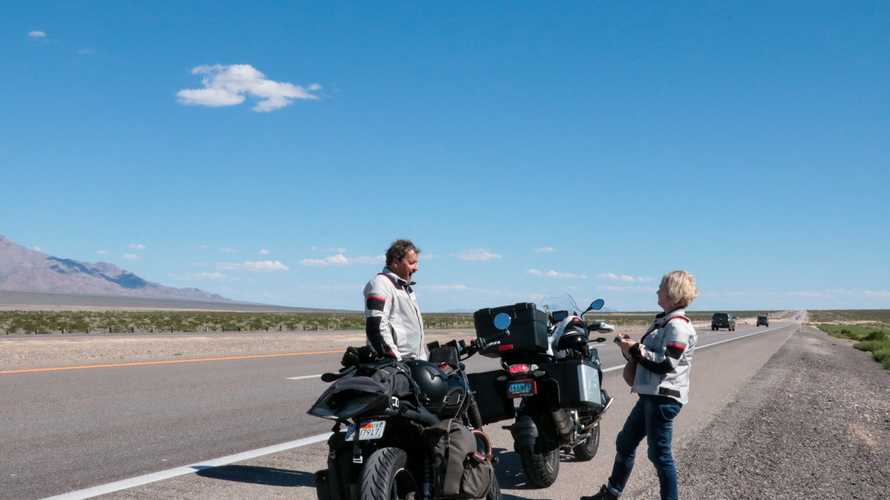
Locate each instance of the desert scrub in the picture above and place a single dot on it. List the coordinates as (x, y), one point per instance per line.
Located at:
(873, 337)
(842, 315)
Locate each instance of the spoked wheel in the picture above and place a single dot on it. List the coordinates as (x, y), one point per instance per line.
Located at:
(587, 450)
(386, 476)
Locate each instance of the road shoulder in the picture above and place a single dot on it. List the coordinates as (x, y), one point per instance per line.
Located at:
(815, 423)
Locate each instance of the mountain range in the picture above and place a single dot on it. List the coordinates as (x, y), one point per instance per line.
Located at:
(26, 270)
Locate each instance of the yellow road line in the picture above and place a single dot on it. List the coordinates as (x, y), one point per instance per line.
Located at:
(167, 362)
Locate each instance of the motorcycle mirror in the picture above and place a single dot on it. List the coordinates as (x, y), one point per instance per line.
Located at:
(596, 305)
(329, 377)
(502, 321)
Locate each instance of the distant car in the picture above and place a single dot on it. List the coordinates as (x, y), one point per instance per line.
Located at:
(762, 319)
(723, 320)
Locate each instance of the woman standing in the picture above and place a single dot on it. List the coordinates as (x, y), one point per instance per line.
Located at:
(663, 359)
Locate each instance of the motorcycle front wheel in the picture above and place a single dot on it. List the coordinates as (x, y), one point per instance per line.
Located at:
(385, 476)
(587, 450)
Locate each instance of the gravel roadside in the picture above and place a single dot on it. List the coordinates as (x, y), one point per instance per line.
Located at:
(814, 423)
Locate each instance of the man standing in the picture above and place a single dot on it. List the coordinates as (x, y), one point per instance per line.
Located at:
(393, 323)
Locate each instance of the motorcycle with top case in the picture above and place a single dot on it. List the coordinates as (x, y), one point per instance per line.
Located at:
(551, 367)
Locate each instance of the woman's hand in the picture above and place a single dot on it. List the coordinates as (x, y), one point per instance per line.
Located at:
(625, 343)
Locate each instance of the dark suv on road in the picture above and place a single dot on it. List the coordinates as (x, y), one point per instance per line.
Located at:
(762, 319)
(723, 320)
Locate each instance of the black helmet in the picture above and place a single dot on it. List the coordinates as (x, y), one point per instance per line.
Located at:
(432, 381)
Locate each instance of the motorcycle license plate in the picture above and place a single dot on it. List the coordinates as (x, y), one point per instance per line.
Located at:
(368, 430)
(521, 388)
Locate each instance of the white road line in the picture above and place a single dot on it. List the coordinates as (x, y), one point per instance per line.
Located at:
(247, 455)
(187, 469)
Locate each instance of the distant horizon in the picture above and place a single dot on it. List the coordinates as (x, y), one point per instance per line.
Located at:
(5, 304)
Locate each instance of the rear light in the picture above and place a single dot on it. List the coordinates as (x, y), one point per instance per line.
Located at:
(518, 369)
(505, 347)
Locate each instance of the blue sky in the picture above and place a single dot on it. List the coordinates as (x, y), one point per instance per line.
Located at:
(527, 148)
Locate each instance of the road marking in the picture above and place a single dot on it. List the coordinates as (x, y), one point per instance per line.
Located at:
(167, 362)
(187, 469)
(247, 455)
(304, 377)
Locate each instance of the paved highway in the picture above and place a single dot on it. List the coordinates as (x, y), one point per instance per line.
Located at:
(70, 431)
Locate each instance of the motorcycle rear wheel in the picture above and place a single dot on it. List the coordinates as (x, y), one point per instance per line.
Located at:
(541, 467)
(587, 450)
(385, 476)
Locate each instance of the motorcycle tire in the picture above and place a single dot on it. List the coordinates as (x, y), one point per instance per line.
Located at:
(385, 476)
(541, 467)
(587, 450)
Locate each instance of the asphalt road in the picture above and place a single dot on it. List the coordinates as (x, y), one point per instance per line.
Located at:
(66, 431)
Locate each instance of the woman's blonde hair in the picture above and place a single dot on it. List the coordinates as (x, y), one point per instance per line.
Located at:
(680, 287)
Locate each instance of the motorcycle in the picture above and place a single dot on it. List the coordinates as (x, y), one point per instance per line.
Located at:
(404, 429)
(550, 366)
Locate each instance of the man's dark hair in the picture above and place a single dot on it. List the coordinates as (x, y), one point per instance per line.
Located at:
(398, 250)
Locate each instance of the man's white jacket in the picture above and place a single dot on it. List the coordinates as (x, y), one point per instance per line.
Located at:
(393, 323)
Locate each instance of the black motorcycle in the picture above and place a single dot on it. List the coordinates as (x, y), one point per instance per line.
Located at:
(404, 429)
(548, 363)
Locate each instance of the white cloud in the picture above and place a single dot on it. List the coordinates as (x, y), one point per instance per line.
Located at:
(228, 250)
(624, 278)
(545, 250)
(264, 265)
(253, 266)
(136, 246)
(230, 85)
(883, 294)
(477, 254)
(36, 34)
(132, 256)
(340, 260)
(333, 260)
(808, 294)
(102, 252)
(557, 274)
(263, 251)
(36, 248)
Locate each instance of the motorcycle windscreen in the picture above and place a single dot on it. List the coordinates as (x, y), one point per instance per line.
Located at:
(350, 397)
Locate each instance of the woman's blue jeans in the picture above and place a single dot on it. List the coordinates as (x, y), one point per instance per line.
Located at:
(652, 417)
